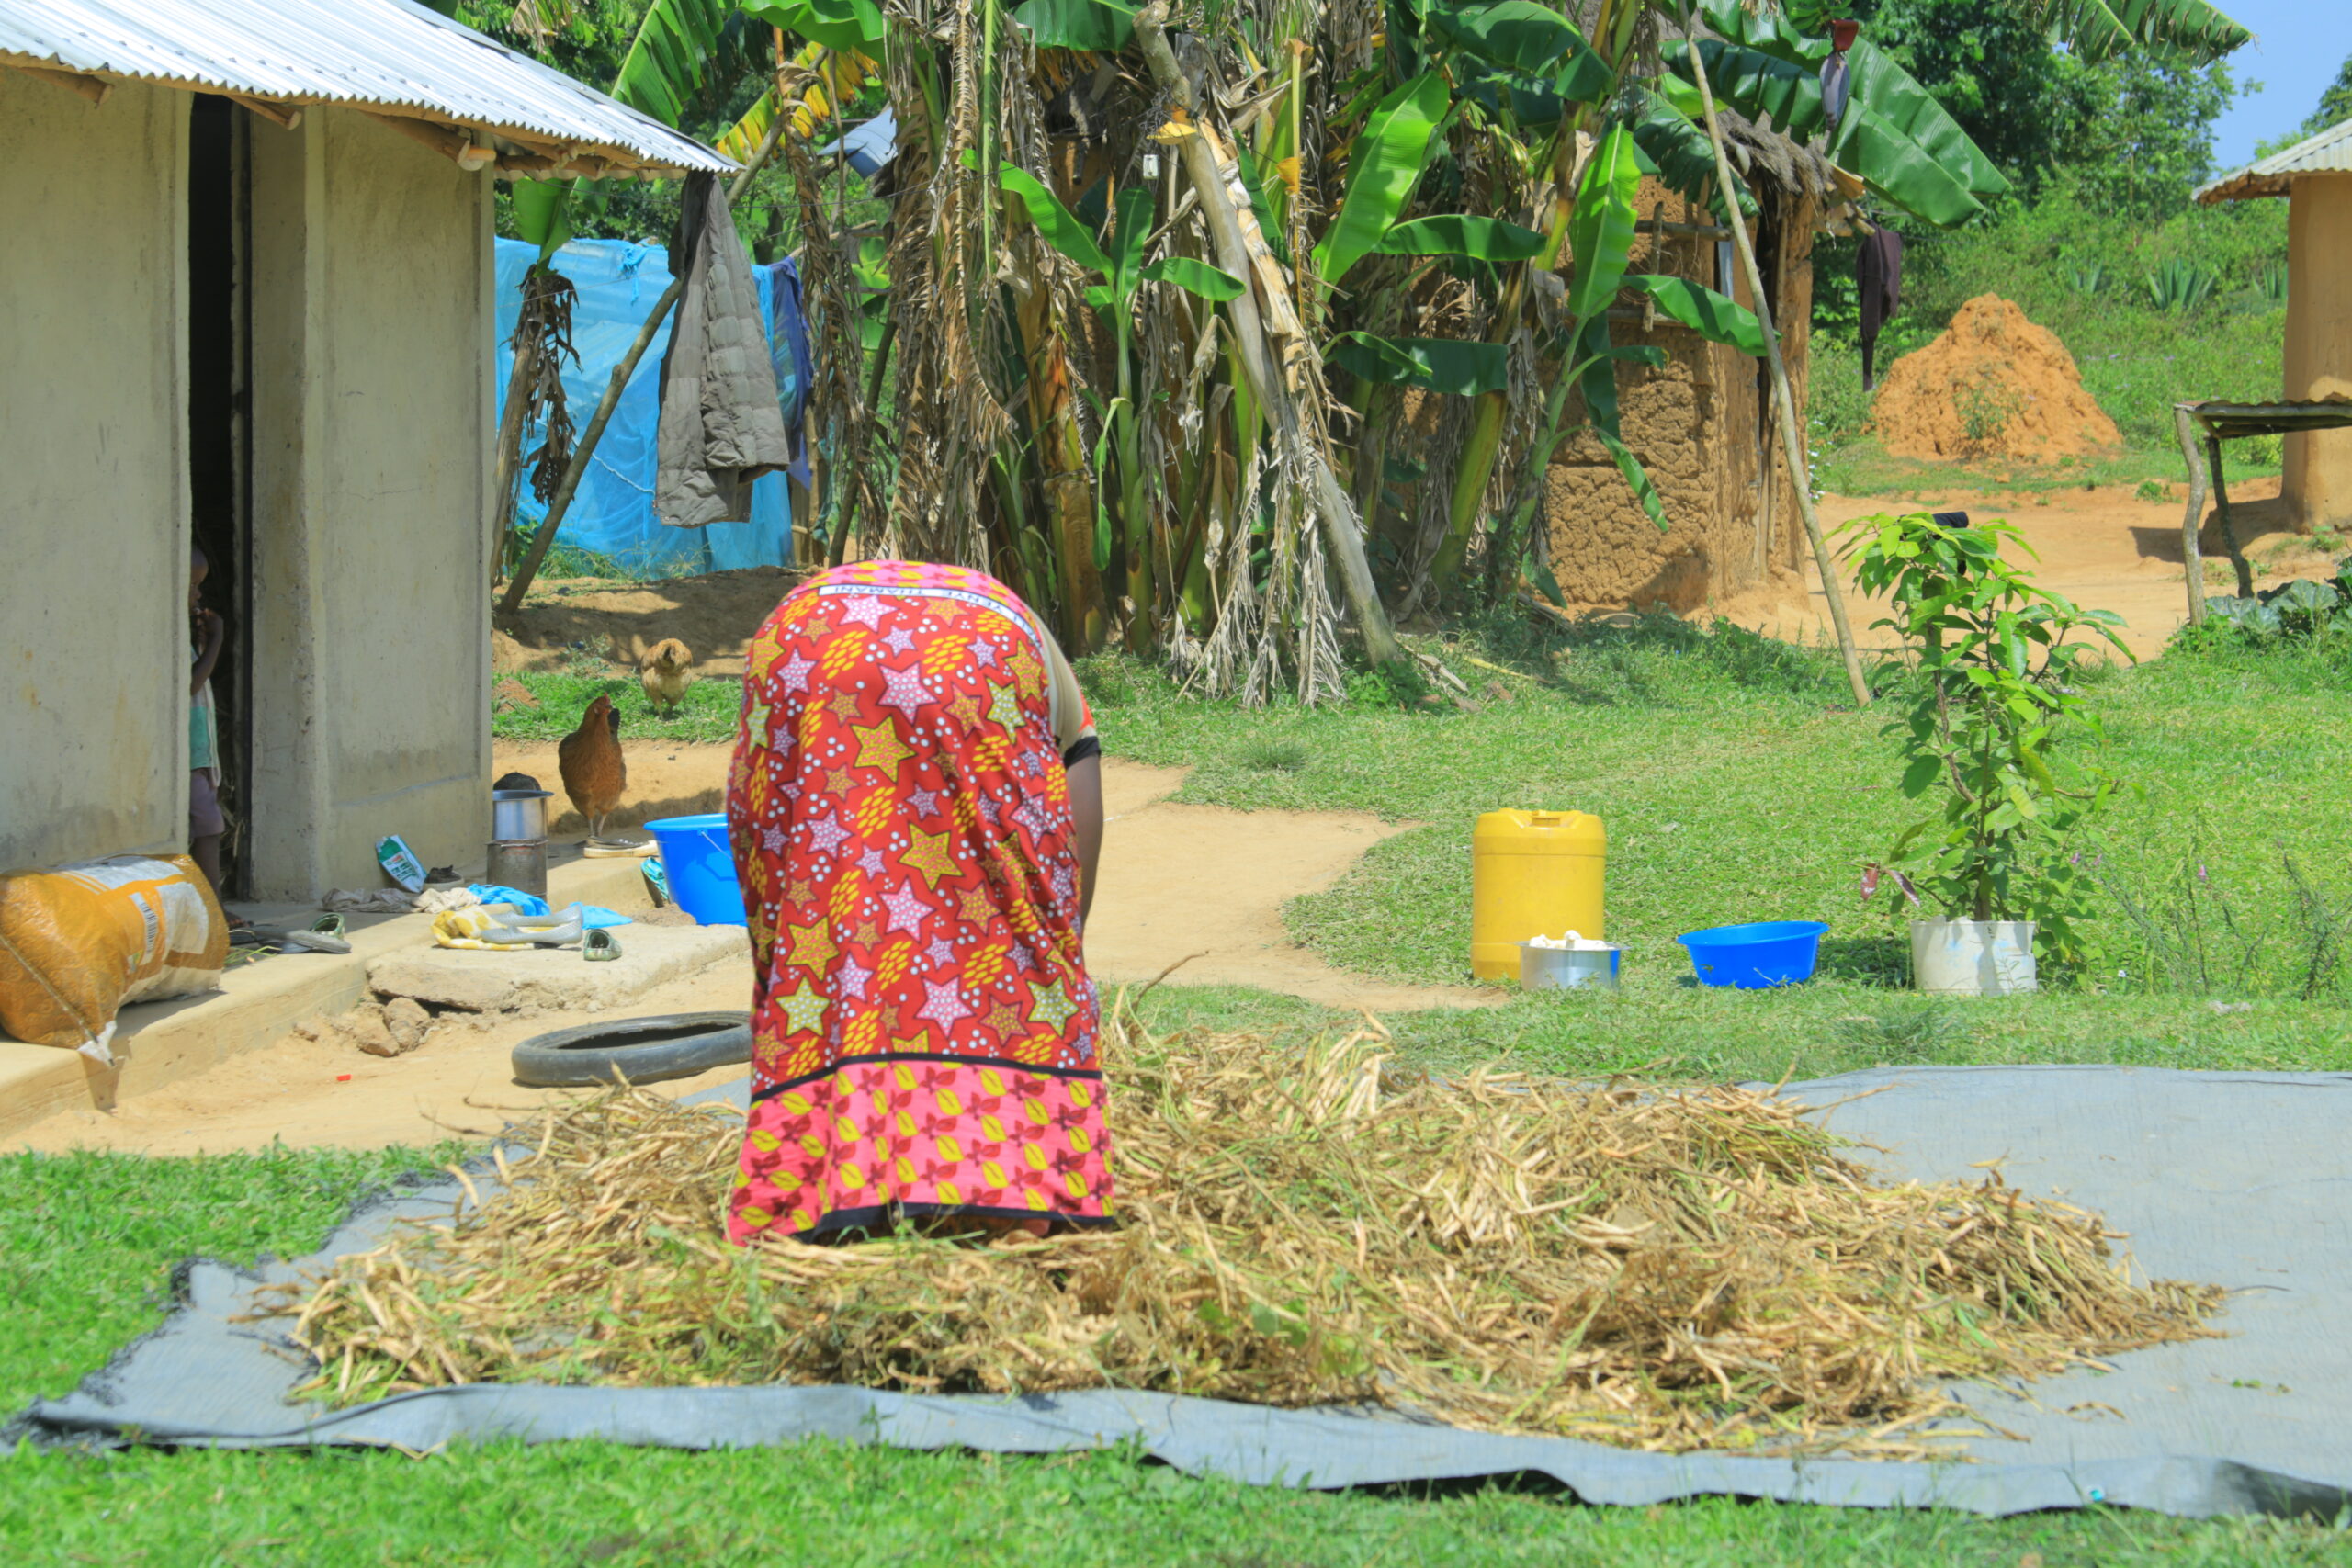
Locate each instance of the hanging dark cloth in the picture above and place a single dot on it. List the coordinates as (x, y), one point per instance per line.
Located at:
(1878, 278)
(721, 425)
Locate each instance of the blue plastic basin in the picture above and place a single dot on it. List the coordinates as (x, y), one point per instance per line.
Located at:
(700, 867)
(1756, 957)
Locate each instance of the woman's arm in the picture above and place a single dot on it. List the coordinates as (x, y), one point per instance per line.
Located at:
(1086, 812)
(215, 632)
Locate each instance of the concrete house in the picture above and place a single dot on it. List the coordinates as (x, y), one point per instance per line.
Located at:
(248, 280)
(2315, 176)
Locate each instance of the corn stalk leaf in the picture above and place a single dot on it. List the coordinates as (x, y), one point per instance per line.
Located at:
(1481, 239)
(1388, 156)
(1196, 277)
(1711, 315)
(1078, 24)
(1600, 225)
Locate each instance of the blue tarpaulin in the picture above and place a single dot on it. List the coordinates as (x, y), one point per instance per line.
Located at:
(612, 515)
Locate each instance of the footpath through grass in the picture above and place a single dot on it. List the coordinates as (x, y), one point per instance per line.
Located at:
(1735, 785)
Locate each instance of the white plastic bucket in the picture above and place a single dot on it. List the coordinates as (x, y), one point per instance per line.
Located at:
(1973, 958)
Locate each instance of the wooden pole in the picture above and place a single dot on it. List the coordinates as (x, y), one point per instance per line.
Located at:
(2229, 528)
(1792, 441)
(1339, 532)
(560, 502)
(2192, 559)
(509, 457)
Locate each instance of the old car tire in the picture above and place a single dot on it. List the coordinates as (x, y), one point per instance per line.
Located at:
(642, 1050)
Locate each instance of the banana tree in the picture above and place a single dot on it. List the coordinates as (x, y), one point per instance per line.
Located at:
(1121, 271)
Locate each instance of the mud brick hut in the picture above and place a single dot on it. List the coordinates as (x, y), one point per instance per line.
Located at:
(248, 269)
(1703, 423)
(2315, 176)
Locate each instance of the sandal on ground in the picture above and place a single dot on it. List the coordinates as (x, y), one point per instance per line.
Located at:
(599, 946)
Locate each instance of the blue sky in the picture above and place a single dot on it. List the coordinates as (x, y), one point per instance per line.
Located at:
(2298, 46)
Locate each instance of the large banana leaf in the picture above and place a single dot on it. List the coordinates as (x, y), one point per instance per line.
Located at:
(664, 67)
(543, 214)
(1680, 153)
(1058, 223)
(1869, 143)
(1528, 39)
(1890, 93)
(2191, 29)
(1078, 24)
(1388, 156)
(850, 26)
(1901, 170)
(1755, 83)
(1713, 316)
(1196, 277)
(1460, 366)
(1876, 81)
(1601, 224)
(1481, 239)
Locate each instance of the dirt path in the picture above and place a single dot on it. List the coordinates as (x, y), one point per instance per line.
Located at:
(1198, 882)
(2103, 549)
(458, 1084)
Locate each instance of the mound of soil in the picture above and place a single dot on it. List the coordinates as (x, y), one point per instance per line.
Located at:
(715, 614)
(1994, 385)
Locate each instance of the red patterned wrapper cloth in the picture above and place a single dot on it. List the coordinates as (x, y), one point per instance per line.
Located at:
(923, 1030)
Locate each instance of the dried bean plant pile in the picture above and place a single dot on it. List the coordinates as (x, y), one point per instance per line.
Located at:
(1651, 1267)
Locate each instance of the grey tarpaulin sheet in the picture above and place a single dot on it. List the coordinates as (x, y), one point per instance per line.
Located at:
(2240, 1179)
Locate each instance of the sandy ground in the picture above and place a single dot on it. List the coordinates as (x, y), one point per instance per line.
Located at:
(456, 1084)
(1199, 883)
(715, 614)
(2100, 548)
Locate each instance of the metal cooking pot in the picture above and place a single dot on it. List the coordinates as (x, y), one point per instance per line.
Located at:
(1568, 968)
(518, 815)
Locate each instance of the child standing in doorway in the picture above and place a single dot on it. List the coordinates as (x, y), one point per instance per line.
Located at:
(207, 633)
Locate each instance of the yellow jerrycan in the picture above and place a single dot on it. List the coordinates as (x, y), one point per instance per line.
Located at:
(1532, 874)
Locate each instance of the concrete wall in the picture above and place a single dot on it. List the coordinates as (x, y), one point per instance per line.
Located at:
(94, 642)
(372, 418)
(1699, 426)
(2318, 488)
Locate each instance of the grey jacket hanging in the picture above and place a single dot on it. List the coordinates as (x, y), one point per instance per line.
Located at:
(720, 426)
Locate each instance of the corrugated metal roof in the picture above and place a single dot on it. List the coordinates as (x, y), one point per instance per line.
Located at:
(2329, 152)
(387, 54)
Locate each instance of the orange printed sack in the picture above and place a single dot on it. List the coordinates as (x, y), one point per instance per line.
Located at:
(79, 943)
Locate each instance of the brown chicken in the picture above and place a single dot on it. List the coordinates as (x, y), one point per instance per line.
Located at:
(589, 760)
(667, 670)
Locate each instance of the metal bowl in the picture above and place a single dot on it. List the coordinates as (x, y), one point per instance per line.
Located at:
(1568, 968)
(518, 815)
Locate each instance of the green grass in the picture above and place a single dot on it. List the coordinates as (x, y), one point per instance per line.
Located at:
(709, 712)
(1735, 783)
(846, 1506)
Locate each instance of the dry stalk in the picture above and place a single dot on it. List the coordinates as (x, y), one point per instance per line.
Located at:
(1666, 1270)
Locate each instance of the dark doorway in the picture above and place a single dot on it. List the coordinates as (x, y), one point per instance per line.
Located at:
(219, 448)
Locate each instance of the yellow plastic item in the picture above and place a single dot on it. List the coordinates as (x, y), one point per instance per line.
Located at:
(1532, 874)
